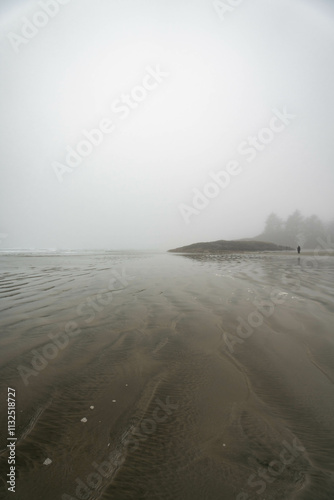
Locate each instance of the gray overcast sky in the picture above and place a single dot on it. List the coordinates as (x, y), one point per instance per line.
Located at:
(180, 87)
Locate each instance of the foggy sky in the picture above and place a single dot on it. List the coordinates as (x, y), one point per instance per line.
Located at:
(204, 85)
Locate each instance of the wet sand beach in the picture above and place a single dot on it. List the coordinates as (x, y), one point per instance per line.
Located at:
(165, 376)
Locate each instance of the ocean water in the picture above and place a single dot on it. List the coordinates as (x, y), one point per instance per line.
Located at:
(144, 375)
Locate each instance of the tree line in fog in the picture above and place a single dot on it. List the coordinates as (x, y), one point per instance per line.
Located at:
(297, 230)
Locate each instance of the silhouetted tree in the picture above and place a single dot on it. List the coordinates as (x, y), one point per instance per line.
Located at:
(294, 232)
(274, 224)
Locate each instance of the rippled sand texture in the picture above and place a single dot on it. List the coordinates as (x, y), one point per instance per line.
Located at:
(188, 390)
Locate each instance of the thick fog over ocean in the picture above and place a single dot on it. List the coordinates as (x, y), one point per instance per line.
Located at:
(139, 124)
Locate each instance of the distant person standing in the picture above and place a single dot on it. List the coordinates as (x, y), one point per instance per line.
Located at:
(298, 249)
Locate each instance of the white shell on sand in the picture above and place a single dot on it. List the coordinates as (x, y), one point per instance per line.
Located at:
(83, 420)
(48, 461)
(114, 400)
(91, 407)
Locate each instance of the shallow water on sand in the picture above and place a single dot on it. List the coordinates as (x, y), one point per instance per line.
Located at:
(198, 377)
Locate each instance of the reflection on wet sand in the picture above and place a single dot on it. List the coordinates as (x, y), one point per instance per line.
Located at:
(127, 382)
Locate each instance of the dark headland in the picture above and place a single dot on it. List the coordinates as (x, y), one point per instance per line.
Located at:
(221, 246)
